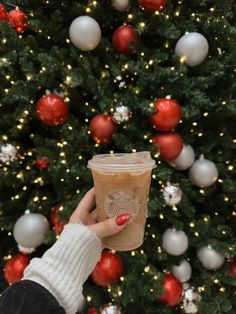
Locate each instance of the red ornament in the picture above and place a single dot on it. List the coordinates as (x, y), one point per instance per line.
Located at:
(152, 5)
(102, 127)
(170, 144)
(172, 291)
(18, 20)
(122, 37)
(92, 310)
(14, 268)
(58, 227)
(167, 116)
(3, 13)
(108, 270)
(52, 109)
(42, 163)
(232, 268)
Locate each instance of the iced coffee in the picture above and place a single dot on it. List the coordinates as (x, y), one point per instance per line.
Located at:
(122, 183)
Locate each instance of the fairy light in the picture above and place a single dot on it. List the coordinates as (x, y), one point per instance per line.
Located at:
(89, 298)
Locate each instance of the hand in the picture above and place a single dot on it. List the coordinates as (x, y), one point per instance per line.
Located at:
(102, 229)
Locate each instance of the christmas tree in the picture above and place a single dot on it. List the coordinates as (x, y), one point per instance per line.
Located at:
(128, 76)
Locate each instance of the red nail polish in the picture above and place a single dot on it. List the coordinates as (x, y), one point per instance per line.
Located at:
(122, 219)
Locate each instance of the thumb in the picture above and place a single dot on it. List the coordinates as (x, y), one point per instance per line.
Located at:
(110, 226)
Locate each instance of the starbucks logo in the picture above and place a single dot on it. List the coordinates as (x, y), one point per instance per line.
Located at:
(119, 202)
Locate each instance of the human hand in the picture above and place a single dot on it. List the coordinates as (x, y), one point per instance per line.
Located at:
(102, 229)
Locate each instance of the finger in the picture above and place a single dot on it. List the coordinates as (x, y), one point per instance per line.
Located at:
(91, 218)
(87, 202)
(94, 215)
(110, 226)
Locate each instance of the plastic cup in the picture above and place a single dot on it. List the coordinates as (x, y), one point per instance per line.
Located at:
(122, 183)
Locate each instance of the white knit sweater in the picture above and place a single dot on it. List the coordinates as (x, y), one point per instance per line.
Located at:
(65, 267)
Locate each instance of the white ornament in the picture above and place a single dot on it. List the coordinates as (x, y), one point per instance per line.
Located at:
(85, 33)
(203, 172)
(172, 194)
(110, 309)
(210, 258)
(7, 153)
(192, 48)
(190, 300)
(183, 271)
(120, 5)
(174, 242)
(121, 114)
(185, 159)
(29, 230)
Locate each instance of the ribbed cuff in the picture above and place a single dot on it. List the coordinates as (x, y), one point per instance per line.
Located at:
(65, 267)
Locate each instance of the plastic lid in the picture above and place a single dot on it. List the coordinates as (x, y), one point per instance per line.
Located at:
(122, 162)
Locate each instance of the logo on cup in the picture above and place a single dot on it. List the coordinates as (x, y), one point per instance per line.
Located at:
(119, 202)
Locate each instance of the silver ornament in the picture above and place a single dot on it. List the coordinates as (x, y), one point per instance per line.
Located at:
(203, 172)
(120, 5)
(210, 258)
(183, 271)
(174, 242)
(185, 159)
(7, 153)
(172, 194)
(192, 48)
(191, 298)
(85, 33)
(122, 114)
(29, 230)
(110, 309)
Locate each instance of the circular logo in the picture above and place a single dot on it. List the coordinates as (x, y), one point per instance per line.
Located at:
(120, 202)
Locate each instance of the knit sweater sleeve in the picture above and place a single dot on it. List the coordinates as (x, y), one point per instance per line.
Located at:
(65, 267)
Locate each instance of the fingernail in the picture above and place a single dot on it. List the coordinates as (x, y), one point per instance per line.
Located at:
(122, 219)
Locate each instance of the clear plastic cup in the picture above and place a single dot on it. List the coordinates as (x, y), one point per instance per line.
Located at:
(122, 183)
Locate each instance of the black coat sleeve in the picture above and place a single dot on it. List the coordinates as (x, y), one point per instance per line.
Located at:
(28, 297)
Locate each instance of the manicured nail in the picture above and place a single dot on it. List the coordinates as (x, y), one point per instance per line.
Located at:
(122, 219)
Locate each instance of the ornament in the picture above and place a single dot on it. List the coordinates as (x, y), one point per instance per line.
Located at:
(172, 291)
(185, 159)
(92, 310)
(8, 153)
(170, 144)
(110, 309)
(192, 48)
(52, 109)
(191, 297)
(108, 270)
(203, 172)
(102, 127)
(122, 37)
(18, 20)
(42, 163)
(232, 269)
(152, 5)
(3, 13)
(210, 258)
(121, 114)
(172, 194)
(15, 266)
(29, 230)
(167, 116)
(85, 33)
(58, 227)
(54, 217)
(120, 5)
(174, 242)
(183, 271)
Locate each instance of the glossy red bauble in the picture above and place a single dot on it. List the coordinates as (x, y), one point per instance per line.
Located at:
(18, 20)
(170, 144)
(3, 13)
(172, 291)
(52, 109)
(152, 5)
(102, 127)
(108, 270)
(42, 163)
(58, 227)
(167, 116)
(122, 37)
(232, 268)
(92, 310)
(14, 268)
